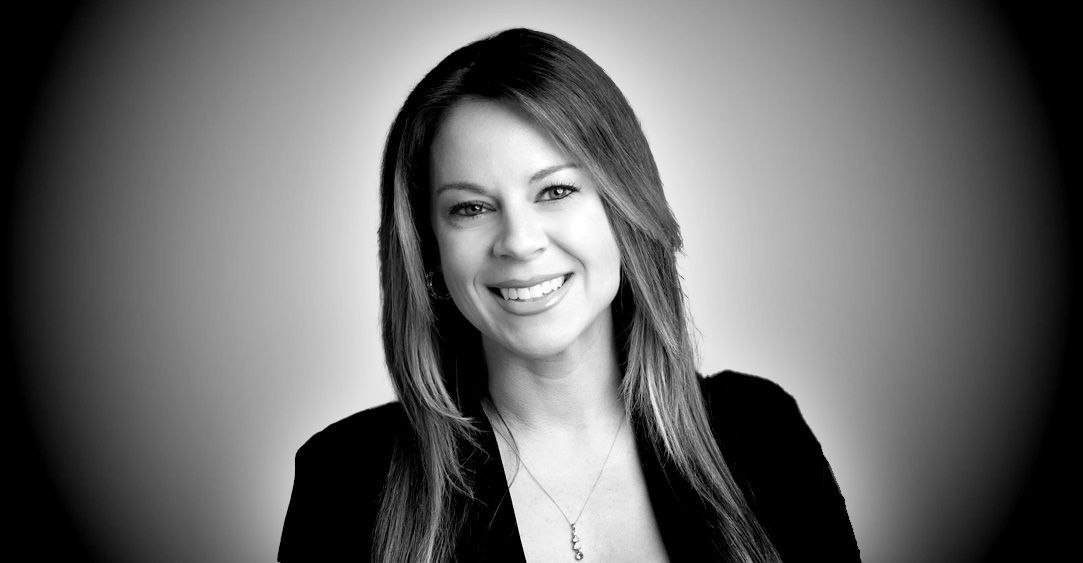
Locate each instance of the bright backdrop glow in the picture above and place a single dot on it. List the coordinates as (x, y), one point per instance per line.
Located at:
(862, 187)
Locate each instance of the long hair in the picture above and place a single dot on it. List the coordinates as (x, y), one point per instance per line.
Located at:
(427, 342)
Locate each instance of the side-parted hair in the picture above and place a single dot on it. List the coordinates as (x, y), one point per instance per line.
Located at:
(427, 342)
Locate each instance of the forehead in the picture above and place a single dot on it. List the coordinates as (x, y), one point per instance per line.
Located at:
(488, 140)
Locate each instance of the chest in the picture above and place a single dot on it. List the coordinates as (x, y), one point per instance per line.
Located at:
(614, 519)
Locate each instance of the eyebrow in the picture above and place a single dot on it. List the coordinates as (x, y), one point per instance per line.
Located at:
(467, 186)
(547, 171)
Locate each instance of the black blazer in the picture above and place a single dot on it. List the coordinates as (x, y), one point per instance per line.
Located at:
(771, 452)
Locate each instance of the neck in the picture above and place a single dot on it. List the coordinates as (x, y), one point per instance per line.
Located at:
(570, 392)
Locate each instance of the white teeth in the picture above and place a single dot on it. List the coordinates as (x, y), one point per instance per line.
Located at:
(532, 292)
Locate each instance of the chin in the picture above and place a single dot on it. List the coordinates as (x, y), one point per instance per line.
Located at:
(535, 349)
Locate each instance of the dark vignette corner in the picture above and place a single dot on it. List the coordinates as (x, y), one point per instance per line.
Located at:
(40, 526)
(1039, 525)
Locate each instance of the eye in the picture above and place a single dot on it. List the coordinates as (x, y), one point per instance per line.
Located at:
(469, 209)
(558, 191)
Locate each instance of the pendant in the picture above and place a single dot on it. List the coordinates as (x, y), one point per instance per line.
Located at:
(577, 546)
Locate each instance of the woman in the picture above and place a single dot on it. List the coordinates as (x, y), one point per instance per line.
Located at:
(549, 408)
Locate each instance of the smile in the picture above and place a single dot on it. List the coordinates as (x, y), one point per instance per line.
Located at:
(536, 291)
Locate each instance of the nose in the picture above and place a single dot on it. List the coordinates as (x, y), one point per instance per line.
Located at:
(522, 234)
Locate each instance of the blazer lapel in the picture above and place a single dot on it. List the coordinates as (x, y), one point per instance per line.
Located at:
(490, 530)
(680, 512)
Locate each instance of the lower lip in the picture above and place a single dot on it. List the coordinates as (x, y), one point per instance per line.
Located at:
(534, 306)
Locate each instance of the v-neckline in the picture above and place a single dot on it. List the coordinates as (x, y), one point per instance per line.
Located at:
(494, 533)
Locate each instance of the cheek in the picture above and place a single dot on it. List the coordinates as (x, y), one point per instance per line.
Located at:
(460, 262)
(456, 265)
(605, 255)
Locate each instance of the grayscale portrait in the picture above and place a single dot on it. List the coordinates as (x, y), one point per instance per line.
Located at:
(727, 281)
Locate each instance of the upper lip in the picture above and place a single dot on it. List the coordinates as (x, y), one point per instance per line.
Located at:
(520, 283)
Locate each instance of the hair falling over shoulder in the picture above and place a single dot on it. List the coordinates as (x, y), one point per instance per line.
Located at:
(427, 343)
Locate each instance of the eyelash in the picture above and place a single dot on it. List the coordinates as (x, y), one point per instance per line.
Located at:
(456, 210)
(567, 187)
(459, 208)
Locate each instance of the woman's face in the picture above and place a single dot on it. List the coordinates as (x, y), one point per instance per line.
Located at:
(525, 245)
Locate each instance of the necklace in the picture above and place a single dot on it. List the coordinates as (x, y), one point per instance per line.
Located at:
(577, 544)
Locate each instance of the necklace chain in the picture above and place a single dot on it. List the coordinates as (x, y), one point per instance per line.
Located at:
(576, 542)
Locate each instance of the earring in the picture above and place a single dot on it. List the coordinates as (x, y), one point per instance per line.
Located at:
(434, 291)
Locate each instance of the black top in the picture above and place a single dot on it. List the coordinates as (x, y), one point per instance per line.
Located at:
(771, 452)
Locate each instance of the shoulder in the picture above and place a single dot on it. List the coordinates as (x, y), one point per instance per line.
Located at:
(777, 461)
(739, 398)
(338, 483)
(731, 383)
(755, 421)
(367, 435)
(757, 424)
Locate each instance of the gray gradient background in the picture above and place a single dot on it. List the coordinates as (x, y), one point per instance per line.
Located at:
(862, 189)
